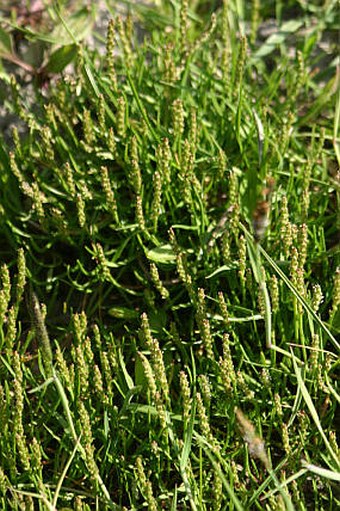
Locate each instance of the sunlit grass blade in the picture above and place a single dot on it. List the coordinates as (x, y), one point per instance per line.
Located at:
(310, 405)
(300, 298)
(322, 472)
(208, 449)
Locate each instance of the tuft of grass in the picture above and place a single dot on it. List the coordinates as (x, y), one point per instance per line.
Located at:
(170, 283)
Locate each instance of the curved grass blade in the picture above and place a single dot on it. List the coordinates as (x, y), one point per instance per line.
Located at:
(313, 412)
(303, 302)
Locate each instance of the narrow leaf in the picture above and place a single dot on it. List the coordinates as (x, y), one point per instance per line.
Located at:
(60, 58)
(278, 38)
(313, 412)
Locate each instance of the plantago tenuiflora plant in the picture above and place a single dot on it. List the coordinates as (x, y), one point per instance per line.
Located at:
(170, 281)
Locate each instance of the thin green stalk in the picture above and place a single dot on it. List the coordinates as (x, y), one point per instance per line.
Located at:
(141, 107)
(65, 403)
(209, 451)
(255, 260)
(310, 405)
(303, 302)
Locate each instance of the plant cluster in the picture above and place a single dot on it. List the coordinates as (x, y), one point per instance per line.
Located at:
(170, 279)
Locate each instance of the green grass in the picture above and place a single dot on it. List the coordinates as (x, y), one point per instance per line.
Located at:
(159, 348)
